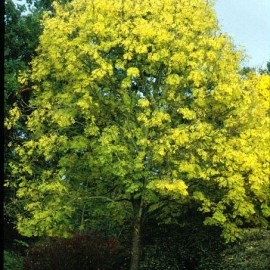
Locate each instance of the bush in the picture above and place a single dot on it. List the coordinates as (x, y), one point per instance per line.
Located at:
(196, 247)
(79, 252)
(189, 247)
(12, 260)
(252, 252)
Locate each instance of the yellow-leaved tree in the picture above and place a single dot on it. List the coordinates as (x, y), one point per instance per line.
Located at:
(136, 101)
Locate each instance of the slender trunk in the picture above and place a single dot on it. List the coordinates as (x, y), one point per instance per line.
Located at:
(136, 240)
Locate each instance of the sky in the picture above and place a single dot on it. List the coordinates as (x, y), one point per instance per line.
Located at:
(248, 23)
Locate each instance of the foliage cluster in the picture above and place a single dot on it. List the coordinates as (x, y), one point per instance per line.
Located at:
(252, 252)
(20, 41)
(12, 260)
(187, 246)
(201, 249)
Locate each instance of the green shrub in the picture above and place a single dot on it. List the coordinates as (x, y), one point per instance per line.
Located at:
(201, 248)
(189, 247)
(252, 252)
(12, 260)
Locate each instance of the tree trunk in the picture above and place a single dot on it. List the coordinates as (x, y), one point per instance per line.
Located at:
(136, 240)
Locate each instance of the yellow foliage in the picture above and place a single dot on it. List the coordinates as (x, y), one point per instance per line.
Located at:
(174, 187)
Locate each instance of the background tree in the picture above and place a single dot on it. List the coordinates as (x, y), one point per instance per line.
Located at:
(20, 41)
(139, 107)
(268, 68)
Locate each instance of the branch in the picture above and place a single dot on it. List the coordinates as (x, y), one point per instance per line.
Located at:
(24, 89)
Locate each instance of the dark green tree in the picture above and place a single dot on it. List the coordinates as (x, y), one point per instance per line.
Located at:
(268, 67)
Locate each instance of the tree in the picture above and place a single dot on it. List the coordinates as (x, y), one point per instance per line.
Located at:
(20, 41)
(139, 107)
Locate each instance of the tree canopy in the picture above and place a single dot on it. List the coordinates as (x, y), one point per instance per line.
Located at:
(139, 106)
